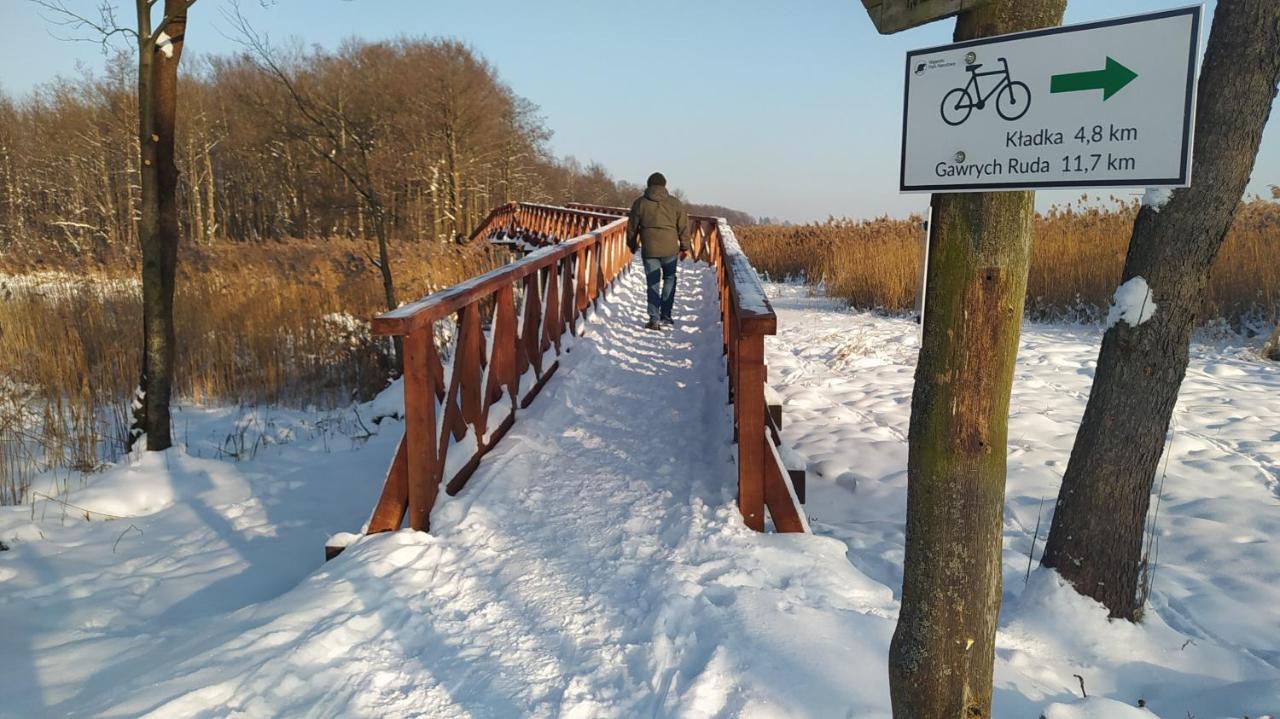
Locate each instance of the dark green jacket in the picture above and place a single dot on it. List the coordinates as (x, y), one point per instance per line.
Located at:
(659, 222)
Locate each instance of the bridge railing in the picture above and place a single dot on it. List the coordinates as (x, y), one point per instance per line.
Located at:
(746, 318)
(539, 224)
(454, 415)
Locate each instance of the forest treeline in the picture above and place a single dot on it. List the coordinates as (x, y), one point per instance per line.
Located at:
(435, 132)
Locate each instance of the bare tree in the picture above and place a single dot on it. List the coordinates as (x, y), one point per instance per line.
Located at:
(1096, 538)
(159, 52)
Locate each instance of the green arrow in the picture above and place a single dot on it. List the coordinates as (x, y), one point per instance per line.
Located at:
(1109, 80)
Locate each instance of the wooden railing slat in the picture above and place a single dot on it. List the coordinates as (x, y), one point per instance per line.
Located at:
(420, 430)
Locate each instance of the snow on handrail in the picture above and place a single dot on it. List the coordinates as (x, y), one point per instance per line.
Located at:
(750, 302)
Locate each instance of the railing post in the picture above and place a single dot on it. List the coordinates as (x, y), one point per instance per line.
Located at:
(749, 401)
(420, 428)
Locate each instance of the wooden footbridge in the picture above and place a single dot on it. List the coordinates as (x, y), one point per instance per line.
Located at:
(511, 327)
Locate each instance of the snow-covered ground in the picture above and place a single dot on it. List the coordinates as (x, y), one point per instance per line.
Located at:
(596, 567)
(1210, 644)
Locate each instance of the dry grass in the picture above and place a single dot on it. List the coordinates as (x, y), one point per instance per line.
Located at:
(1077, 258)
(280, 324)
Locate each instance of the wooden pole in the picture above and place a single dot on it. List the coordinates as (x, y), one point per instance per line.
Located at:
(942, 652)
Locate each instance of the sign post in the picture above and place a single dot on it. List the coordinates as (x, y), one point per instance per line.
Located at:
(1103, 104)
(890, 16)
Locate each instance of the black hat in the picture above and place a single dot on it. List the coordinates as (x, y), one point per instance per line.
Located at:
(657, 179)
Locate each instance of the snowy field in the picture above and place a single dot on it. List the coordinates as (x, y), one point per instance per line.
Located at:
(595, 566)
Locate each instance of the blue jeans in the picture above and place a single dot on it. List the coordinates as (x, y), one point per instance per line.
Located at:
(660, 270)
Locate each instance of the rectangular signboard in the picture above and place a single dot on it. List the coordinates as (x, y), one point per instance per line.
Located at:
(1103, 104)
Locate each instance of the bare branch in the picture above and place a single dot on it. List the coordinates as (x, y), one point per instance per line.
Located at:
(101, 31)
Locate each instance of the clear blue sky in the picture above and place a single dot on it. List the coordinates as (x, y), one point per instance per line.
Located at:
(783, 108)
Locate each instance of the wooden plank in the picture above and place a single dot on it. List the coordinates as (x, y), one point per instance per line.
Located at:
(502, 361)
(420, 429)
(890, 16)
(783, 504)
(394, 500)
(537, 386)
(751, 430)
(459, 480)
(531, 327)
(467, 367)
(799, 478)
(568, 313)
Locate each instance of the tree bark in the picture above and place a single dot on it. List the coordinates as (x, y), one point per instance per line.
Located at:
(148, 225)
(158, 229)
(1095, 540)
(942, 653)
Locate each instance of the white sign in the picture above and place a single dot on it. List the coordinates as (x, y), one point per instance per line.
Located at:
(1104, 104)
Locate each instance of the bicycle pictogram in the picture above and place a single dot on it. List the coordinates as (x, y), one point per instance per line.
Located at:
(1013, 98)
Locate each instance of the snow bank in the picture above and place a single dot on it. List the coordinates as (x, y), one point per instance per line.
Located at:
(1208, 643)
(1095, 708)
(342, 539)
(1133, 303)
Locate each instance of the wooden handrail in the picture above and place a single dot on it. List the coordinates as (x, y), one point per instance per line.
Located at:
(746, 317)
(454, 416)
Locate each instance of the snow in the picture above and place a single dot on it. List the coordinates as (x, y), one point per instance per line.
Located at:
(1157, 197)
(1208, 644)
(596, 566)
(1095, 708)
(342, 539)
(1133, 304)
(746, 282)
(164, 44)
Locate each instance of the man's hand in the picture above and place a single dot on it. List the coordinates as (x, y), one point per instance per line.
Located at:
(684, 254)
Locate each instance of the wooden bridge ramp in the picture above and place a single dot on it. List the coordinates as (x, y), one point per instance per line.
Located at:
(478, 353)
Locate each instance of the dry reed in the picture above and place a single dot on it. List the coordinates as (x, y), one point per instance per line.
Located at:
(1077, 257)
(279, 324)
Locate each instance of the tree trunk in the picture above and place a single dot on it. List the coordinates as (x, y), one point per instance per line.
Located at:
(455, 185)
(942, 653)
(158, 227)
(211, 218)
(195, 204)
(148, 220)
(1096, 537)
(388, 285)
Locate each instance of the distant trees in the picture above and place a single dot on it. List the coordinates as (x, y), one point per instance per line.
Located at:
(1096, 538)
(444, 138)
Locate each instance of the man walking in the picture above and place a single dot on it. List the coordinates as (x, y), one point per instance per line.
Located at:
(659, 228)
